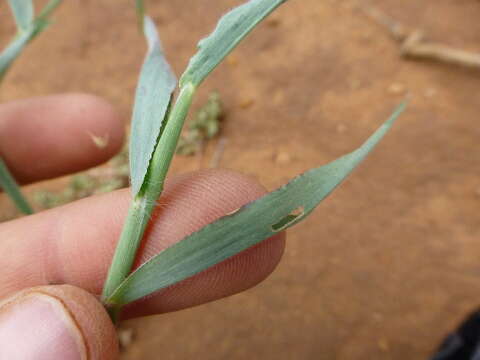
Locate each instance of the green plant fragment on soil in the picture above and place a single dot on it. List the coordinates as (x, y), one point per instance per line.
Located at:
(203, 127)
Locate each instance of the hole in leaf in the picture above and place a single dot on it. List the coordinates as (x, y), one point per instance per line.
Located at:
(289, 219)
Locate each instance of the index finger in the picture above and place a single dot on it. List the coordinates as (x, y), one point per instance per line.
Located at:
(74, 244)
(50, 136)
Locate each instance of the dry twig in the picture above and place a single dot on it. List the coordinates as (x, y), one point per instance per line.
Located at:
(218, 154)
(414, 44)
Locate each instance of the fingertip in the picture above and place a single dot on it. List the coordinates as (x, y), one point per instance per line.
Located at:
(66, 238)
(232, 276)
(56, 322)
(91, 318)
(214, 192)
(55, 135)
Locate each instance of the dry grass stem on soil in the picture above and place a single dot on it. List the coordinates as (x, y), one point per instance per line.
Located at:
(414, 45)
(219, 151)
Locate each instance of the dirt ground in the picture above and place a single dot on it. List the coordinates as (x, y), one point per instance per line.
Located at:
(389, 263)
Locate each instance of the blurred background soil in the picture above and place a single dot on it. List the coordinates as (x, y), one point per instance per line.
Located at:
(388, 264)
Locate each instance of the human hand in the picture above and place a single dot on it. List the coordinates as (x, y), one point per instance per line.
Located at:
(41, 317)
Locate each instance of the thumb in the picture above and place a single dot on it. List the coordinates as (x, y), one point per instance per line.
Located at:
(56, 322)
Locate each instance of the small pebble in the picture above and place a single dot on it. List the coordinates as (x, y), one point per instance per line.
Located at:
(246, 103)
(125, 337)
(283, 158)
(335, 261)
(430, 92)
(355, 84)
(377, 317)
(273, 22)
(279, 97)
(396, 89)
(232, 60)
(347, 5)
(383, 345)
(366, 37)
(341, 128)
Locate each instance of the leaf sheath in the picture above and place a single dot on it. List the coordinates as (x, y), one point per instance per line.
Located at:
(144, 203)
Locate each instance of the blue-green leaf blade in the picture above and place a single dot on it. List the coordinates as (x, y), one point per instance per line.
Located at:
(154, 91)
(26, 31)
(248, 226)
(8, 184)
(13, 50)
(23, 13)
(140, 9)
(48, 9)
(230, 30)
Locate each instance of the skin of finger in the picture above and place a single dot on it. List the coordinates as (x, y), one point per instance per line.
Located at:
(74, 244)
(55, 135)
(96, 331)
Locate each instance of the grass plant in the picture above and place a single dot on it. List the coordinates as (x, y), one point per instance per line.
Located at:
(161, 106)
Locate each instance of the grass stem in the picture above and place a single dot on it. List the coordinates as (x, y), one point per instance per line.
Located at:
(8, 184)
(144, 203)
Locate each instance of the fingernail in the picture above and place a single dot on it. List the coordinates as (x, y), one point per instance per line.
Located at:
(38, 326)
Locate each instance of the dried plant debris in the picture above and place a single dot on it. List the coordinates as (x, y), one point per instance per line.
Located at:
(414, 45)
(101, 180)
(205, 126)
(218, 153)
